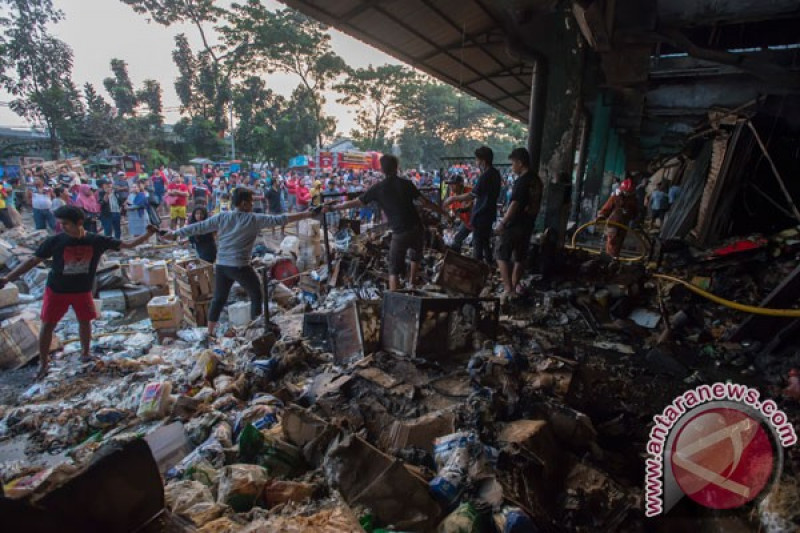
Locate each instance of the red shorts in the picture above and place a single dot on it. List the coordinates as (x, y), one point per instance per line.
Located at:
(56, 304)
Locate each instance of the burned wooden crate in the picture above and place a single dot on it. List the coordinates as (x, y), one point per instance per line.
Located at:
(425, 324)
(463, 274)
(19, 342)
(196, 313)
(341, 331)
(194, 279)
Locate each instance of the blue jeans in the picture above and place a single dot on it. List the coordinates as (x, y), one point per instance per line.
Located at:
(112, 223)
(43, 219)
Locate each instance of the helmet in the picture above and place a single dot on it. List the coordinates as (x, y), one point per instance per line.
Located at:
(626, 186)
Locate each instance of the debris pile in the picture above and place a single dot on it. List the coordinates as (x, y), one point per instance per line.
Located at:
(351, 409)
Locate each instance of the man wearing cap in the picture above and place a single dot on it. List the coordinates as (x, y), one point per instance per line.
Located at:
(484, 210)
(516, 226)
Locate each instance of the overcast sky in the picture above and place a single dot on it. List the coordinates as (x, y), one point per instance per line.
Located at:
(99, 30)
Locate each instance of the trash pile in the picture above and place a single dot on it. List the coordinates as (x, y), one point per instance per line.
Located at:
(351, 409)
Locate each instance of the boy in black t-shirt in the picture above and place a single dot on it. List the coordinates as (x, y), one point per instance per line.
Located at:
(75, 254)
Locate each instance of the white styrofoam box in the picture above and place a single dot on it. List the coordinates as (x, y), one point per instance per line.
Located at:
(309, 228)
(155, 273)
(239, 313)
(290, 244)
(136, 270)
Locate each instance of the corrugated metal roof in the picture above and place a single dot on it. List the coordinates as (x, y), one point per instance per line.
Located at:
(460, 42)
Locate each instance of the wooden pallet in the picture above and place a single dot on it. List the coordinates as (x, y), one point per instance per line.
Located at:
(196, 313)
(195, 283)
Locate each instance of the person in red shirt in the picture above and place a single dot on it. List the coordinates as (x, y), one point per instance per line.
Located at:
(291, 192)
(303, 196)
(178, 193)
(461, 209)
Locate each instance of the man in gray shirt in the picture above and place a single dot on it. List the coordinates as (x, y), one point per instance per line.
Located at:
(237, 231)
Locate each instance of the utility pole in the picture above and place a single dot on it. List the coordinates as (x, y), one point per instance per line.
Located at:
(233, 140)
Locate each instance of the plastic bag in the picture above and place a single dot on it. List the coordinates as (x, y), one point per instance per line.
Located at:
(465, 519)
(210, 451)
(241, 486)
(513, 520)
(262, 416)
(154, 402)
(181, 495)
(251, 442)
(205, 366)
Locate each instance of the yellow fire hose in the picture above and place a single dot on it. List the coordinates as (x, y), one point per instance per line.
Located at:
(763, 311)
(596, 222)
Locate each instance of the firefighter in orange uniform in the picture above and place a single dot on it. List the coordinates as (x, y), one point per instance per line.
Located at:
(621, 208)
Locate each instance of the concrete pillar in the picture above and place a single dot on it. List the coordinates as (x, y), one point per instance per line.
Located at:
(596, 160)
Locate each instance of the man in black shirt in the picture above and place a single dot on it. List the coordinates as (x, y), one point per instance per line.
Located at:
(484, 208)
(75, 254)
(516, 227)
(274, 201)
(396, 197)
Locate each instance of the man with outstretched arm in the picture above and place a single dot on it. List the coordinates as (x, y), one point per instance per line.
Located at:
(397, 197)
(237, 231)
(75, 253)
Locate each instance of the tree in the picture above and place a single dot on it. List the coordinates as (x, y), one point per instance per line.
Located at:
(375, 92)
(287, 41)
(121, 89)
(36, 68)
(201, 136)
(100, 127)
(259, 110)
(205, 77)
(441, 122)
(150, 96)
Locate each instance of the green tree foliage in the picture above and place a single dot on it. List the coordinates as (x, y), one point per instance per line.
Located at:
(258, 109)
(201, 137)
(121, 89)
(204, 84)
(440, 122)
(36, 68)
(375, 92)
(150, 96)
(100, 128)
(287, 41)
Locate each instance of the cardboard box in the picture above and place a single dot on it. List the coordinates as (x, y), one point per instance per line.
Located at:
(420, 432)
(19, 342)
(155, 273)
(136, 270)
